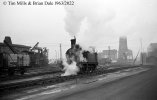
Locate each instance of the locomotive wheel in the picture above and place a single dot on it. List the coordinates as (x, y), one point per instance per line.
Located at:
(11, 71)
(22, 71)
(84, 69)
(91, 68)
(94, 67)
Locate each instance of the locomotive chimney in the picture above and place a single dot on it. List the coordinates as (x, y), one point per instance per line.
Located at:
(73, 42)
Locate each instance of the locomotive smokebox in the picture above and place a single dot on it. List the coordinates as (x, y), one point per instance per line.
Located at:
(73, 42)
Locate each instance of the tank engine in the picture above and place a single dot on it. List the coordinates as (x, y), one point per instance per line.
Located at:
(85, 60)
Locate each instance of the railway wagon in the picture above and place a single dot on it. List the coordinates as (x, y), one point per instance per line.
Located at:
(18, 58)
(11, 63)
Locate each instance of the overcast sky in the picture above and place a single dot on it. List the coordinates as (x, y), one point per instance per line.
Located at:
(97, 23)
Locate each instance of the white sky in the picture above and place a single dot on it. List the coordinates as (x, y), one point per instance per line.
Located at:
(97, 23)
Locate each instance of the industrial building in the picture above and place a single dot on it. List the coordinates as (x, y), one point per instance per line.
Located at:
(112, 54)
(143, 57)
(125, 55)
(107, 56)
(152, 53)
(151, 49)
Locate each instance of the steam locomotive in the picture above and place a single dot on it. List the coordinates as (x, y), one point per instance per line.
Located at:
(85, 60)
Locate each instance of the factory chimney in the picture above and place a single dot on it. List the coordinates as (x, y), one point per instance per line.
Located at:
(73, 42)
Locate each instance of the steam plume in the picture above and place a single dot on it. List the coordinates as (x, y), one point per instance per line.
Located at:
(100, 21)
(86, 22)
(70, 69)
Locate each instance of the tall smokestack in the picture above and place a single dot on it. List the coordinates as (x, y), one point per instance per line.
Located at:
(73, 42)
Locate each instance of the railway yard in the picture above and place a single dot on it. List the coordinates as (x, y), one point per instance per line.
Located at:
(33, 81)
(78, 50)
(27, 73)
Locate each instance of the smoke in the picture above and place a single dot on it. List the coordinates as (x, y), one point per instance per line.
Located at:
(86, 20)
(96, 22)
(102, 22)
(82, 59)
(70, 69)
(73, 21)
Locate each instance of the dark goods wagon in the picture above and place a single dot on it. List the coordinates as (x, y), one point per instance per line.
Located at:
(18, 58)
(85, 60)
(11, 63)
(12, 60)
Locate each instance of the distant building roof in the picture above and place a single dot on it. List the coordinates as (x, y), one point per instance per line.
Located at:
(113, 51)
(152, 47)
(16, 45)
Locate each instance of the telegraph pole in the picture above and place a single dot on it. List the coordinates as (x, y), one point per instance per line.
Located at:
(141, 52)
(56, 54)
(60, 51)
(109, 52)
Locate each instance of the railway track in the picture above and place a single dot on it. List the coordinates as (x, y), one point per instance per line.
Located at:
(30, 73)
(56, 79)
